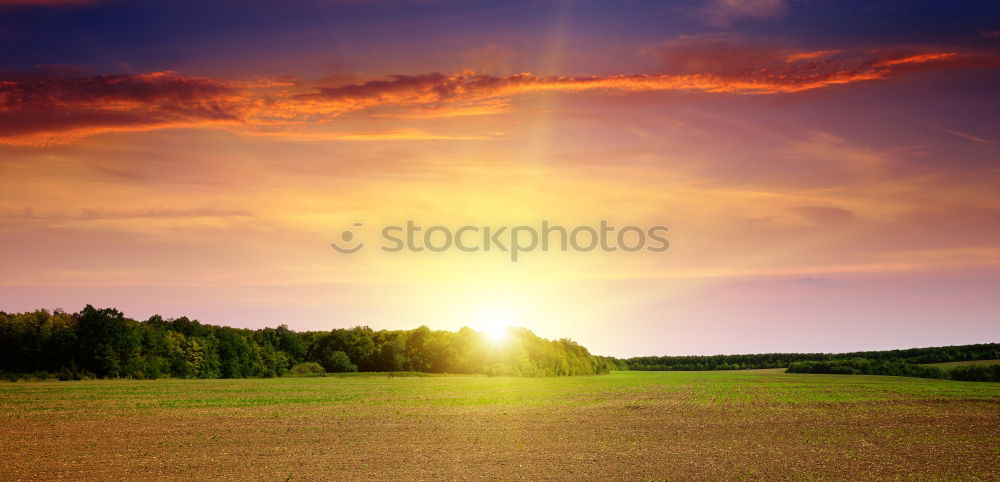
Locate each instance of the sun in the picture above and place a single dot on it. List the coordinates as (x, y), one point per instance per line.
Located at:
(495, 333)
(495, 326)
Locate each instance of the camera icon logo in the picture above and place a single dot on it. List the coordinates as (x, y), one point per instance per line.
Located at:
(346, 237)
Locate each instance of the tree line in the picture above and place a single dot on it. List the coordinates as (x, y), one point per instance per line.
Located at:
(103, 343)
(864, 366)
(982, 351)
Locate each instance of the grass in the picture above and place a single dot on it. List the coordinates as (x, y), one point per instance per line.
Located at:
(364, 374)
(636, 425)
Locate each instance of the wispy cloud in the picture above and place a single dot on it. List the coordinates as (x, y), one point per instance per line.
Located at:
(811, 55)
(43, 109)
(40, 109)
(969, 137)
(386, 135)
(95, 215)
(722, 13)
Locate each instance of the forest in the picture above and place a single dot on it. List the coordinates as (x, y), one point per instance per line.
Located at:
(865, 366)
(103, 343)
(939, 354)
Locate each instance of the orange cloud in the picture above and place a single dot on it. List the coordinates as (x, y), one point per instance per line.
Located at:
(50, 109)
(918, 59)
(813, 55)
(387, 135)
(39, 110)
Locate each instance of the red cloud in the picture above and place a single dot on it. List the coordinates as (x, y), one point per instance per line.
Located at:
(38, 109)
(35, 108)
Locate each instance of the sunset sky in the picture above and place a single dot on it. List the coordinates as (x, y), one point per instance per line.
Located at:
(829, 170)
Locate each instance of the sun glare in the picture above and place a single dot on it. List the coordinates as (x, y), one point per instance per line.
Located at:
(495, 333)
(495, 326)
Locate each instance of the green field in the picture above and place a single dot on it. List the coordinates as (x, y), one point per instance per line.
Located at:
(628, 425)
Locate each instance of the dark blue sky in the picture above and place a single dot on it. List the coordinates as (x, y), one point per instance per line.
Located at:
(311, 38)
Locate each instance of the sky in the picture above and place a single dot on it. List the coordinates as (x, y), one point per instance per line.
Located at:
(828, 170)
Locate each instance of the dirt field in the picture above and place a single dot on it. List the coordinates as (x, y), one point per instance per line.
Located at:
(633, 426)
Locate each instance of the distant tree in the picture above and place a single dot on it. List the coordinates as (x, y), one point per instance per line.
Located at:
(108, 344)
(290, 343)
(337, 362)
(976, 373)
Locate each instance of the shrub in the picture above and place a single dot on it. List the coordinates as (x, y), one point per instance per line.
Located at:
(843, 370)
(338, 362)
(307, 368)
(976, 373)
